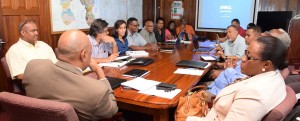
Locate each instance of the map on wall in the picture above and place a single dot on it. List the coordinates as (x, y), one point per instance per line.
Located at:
(79, 14)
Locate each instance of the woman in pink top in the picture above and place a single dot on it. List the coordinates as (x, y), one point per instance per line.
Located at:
(170, 31)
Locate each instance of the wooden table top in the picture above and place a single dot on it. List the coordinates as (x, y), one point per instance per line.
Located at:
(162, 70)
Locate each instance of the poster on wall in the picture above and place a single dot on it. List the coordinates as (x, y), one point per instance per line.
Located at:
(177, 10)
(79, 14)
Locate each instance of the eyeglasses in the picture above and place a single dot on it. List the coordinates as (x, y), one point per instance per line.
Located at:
(135, 25)
(247, 55)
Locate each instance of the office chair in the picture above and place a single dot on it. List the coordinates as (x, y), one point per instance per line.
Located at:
(22, 108)
(280, 111)
(14, 85)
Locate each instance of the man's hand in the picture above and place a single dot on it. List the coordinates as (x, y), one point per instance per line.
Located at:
(230, 63)
(154, 47)
(108, 39)
(97, 69)
(112, 57)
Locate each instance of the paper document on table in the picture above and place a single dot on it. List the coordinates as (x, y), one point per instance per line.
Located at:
(161, 93)
(189, 71)
(114, 64)
(121, 57)
(137, 53)
(140, 84)
(208, 58)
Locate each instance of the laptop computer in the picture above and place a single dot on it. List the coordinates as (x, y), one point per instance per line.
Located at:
(141, 61)
(197, 48)
(193, 64)
(115, 82)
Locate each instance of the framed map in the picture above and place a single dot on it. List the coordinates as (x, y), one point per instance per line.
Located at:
(79, 14)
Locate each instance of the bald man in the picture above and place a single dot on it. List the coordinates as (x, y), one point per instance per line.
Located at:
(147, 32)
(64, 81)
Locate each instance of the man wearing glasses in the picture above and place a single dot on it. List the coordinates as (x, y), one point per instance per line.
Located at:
(135, 40)
(27, 48)
(232, 67)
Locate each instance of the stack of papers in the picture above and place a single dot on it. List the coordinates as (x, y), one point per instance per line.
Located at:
(137, 53)
(114, 64)
(140, 84)
(189, 71)
(148, 87)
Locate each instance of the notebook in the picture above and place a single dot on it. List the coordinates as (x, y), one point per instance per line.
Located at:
(197, 48)
(193, 64)
(115, 82)
(141, 61)
(136, 73)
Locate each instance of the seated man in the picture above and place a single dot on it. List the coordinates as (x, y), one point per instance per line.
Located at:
(27, 48)
(92, 99)
(102, 44)
(233, 68)
(147, 32)
(241, 31)
(184, 28)
(234, 47)
(135, 40)
(285, 38)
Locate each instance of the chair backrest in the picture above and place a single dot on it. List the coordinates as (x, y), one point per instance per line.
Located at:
(281, 110)
(7, 73)
(22, 108)
(5, 67)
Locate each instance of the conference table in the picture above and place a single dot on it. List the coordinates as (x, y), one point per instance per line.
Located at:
(162, 70)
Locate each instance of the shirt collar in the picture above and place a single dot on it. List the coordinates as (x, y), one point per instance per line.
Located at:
(93, 40)
(36, 44)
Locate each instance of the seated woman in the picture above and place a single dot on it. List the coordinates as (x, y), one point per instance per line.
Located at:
(102, 44)
(120, 33)
(170, 31)
(251, 98)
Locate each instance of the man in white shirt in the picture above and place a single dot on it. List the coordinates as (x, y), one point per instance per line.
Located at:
(234, 47)
(27, 48)
(135, 40)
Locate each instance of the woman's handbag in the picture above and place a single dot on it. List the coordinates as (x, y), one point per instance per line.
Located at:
(193, 104)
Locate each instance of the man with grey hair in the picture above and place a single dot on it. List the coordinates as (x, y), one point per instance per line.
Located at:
(285, 38)
(234, 47)
(147, 32)
(280, 34)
